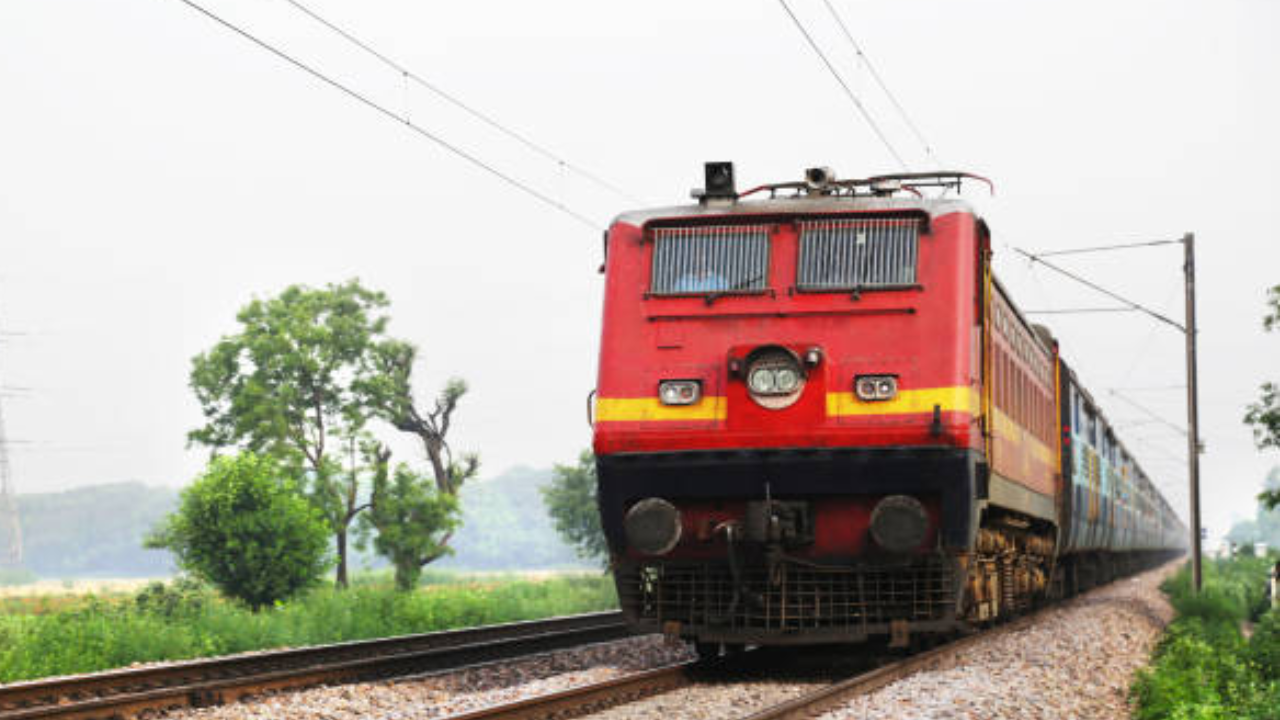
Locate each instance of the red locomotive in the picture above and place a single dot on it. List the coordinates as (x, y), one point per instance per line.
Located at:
(821, 419)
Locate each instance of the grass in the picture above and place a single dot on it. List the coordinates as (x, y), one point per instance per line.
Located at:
(183, 620)
(1205, 668)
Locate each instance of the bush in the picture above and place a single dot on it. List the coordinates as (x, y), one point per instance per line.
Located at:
(1204, 668)
(186, 620)
(248, 532)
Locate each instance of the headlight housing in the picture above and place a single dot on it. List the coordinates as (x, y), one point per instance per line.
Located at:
(775, 377)
(679, 392)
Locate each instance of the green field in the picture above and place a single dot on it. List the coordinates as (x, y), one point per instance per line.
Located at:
(1205, 667)
(41, 636)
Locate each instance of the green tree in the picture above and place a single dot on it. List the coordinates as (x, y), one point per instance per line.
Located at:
(298, 382)
(1264, 415)
(244, 528)
(392, 388)
(391, 385)
(571, 501)
(413, 518)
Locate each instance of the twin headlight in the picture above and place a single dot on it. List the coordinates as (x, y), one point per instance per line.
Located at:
(679, 392)
(773, 380)
(875, 387)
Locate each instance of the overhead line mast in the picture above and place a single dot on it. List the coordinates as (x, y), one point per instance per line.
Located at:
(10, 527)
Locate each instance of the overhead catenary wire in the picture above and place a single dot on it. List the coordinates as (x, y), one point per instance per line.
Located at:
(866, 114)
(465, 107)
(403, 120)
(1088, 283)
(1106, 248)
(1145, 411)
(875, 75)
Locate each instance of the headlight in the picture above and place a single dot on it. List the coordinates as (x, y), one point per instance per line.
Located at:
(679, 392)
(774, 377)
(786, 380)
(875, 387)
(762, 381)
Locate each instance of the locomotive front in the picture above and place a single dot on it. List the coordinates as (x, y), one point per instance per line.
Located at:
(785, 429)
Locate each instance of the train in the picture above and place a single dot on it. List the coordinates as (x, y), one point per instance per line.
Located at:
(819, 417)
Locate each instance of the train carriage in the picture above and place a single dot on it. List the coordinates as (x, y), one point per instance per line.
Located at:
(820, 418)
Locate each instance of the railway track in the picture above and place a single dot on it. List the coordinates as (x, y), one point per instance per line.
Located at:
(127, 693)
(586, 699)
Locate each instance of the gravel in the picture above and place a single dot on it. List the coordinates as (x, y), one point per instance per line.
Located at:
(1077, 662)
(709, 701)
(456, 692)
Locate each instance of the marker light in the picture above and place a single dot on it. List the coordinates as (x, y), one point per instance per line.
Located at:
(679, 392)
(870, 388)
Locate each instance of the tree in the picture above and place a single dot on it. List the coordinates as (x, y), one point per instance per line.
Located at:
(390, 385)
(244, 528)
(295, 382)
(571, 501)
(414, 519)
(1264, 415)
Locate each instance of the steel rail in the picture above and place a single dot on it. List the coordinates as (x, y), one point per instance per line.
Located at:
(828, 698)
(127, 692)
(588, 698)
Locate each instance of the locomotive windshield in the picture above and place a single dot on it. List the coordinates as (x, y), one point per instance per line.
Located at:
(710, 260)
(853, 254)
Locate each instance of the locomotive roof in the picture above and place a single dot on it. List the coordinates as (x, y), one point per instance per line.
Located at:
(797, 205)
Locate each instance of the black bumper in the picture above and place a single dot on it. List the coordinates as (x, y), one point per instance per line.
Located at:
(956, 476)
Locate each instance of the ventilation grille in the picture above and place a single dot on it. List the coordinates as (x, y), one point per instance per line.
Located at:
(854, 254)
(707, 260)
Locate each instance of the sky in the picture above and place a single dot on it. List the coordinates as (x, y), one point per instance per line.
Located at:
(158, 171)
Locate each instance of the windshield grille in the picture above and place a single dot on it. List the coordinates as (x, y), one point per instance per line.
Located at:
(851, 254)
(710, 260)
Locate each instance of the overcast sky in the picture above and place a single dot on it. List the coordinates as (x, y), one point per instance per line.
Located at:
(158, 171)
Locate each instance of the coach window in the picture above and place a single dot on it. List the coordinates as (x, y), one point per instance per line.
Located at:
(710, 260)
(843, 255)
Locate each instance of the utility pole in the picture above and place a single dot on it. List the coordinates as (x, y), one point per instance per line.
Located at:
(1193, 418)
(10, 529)
(1188, 328)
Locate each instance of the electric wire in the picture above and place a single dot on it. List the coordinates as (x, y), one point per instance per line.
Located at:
(906, 118)
(1104, 248)
(866, 115)
(1099, 288)
(1145, 411)
(453, 100)
(421, 131)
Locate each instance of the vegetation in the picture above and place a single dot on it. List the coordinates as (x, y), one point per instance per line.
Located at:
(94, 531)
(1265, 525)
(1205, 667)
(247, 531)
(16, 576)
(1264, 415)
(409, 515)
(186, 620)
(571, 500)
(303, 380)
(504, 512)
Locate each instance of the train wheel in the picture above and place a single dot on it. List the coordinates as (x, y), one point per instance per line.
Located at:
(708, 650)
